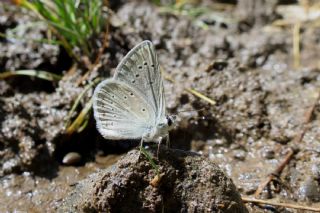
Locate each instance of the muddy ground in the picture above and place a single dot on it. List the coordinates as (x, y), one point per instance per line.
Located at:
(234, 54)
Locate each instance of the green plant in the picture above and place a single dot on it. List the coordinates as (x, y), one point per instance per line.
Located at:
(81, 27)
(151, 161)
(76, 23)
(82, 118)
(33, 73)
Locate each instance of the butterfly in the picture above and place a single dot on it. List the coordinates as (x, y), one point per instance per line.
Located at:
(131, 105)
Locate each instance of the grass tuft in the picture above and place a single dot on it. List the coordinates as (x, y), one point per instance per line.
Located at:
(77, 102)
(77, 24)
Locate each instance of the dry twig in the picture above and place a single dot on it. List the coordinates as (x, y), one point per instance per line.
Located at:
(298, 138)
(285, 205)
(190, 90)
(296, 44)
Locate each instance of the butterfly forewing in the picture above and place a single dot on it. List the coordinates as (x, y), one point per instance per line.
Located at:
(140, 69)
(120, 111)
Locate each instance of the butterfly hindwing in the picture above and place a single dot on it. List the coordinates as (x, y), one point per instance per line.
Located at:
(120, 111)
(140, 69)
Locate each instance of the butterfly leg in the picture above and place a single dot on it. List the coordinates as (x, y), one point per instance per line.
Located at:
(141, 144)
(167, 140)
(159, 143)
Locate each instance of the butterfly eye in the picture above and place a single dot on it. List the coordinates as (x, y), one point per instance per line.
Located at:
(169, 120)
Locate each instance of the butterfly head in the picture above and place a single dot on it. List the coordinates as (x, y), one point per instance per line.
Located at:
(167, 123)
(164, 126)
(170, 121)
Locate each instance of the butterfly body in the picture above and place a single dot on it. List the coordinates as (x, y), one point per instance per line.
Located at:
(131, 105)
(159, 131)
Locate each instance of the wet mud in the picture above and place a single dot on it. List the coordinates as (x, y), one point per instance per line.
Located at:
(240, 60)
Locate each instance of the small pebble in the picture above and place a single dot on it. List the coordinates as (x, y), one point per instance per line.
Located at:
(268, 153)
(310, 190)
(220, 142)
(239, 154)
(155, 182)
(71, 158)
(315, 170)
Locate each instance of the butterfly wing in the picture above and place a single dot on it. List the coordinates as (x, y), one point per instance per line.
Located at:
(140, 69)
(121, 112)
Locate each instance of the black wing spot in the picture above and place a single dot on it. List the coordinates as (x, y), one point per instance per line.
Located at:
(112, 96)
(125, 97)
(131, 93)
(152, 65)
(137, 75)
(145, 63)
(112, 109)
(140, 67)
(143, 109)
(133, 81)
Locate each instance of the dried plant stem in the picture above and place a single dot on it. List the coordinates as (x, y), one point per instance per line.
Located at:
(275, 173)
(297, 139)
(190, 90)
(79, 98)
(285, 205)
(77, 124)
(296, 44)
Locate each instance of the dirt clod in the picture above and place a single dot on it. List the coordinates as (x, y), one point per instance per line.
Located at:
(188, 183)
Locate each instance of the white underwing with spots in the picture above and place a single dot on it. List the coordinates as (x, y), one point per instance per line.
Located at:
(131, 105)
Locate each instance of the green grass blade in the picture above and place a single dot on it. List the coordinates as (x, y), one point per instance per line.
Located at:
(78, 123)
(79, 98)
(148, 156)
(34, 73)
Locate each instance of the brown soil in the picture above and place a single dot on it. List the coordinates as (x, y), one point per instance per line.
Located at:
(186, 183)
(239, 60)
